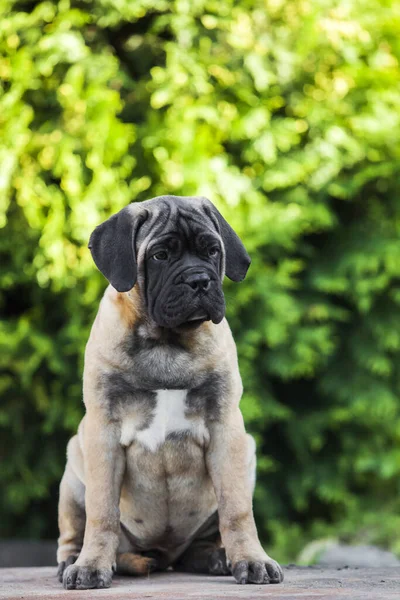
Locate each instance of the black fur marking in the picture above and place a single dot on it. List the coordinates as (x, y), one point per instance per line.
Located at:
(178, 436)
(119, 390)
(207, 398)
(135, 344)
(163, 363)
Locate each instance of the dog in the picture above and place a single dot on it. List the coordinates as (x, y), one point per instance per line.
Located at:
(161, 472)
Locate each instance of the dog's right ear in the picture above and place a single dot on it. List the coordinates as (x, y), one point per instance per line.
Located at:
(237, 261)
(112, 245)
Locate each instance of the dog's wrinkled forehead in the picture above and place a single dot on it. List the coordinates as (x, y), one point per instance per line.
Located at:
(188, 216)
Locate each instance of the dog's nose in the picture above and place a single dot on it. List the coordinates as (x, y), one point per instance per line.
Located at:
(198, 281)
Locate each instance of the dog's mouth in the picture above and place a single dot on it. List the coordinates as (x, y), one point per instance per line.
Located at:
(198, 315)
(196, 319)
(186, 312)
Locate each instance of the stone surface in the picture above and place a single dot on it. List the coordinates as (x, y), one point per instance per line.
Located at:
(27, 553)
(328, 552)
(306, 583)
(338, 555)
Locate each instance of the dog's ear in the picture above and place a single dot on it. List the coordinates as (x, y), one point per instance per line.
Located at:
(112, 245)
(237, 261)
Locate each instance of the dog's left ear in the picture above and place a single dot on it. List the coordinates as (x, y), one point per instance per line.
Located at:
(237, 261)
(112, 245)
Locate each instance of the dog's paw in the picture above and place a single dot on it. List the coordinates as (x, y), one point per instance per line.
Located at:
(217, 564)
(84, 578)
(63, 565)
(259, 571)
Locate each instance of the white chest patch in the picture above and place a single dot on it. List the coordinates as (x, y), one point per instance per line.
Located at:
(169, 417)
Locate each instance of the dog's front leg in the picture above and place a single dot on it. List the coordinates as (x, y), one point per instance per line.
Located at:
(227, 460)
(104, 461)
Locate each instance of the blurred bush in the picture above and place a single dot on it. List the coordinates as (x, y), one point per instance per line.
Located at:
(284, 113)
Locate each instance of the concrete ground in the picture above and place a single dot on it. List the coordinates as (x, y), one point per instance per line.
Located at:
(304, 583)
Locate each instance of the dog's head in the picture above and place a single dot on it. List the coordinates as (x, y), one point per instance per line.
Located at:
(178, 250)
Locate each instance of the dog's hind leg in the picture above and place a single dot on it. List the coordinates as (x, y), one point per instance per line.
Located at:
(203, 556)
(129, 563)
(71, 517)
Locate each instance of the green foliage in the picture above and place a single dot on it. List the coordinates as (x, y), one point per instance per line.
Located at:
(284, 113)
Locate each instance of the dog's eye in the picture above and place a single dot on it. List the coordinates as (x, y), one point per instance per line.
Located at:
(213, 251)
(161, 255)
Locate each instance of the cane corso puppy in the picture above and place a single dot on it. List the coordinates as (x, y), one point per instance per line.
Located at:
(161, 472)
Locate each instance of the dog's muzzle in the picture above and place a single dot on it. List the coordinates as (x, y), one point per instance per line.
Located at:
(195, 296)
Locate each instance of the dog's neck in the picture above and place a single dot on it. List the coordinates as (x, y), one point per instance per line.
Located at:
(133, 311)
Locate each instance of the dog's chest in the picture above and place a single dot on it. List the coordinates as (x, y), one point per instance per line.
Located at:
(171, 417)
